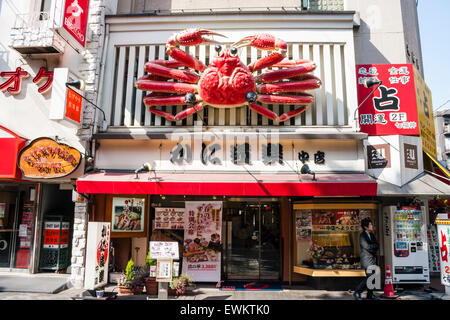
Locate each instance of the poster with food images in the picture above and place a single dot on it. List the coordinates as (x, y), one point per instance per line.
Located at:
(303, 227)
(128, 214)
(169, 218)
(202, 240)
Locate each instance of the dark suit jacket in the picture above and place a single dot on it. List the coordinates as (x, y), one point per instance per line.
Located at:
(369, 248)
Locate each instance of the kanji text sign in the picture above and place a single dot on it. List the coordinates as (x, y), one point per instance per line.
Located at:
(392, 108)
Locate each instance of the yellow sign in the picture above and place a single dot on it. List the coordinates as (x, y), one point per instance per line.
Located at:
(44, 158)
(425, 114)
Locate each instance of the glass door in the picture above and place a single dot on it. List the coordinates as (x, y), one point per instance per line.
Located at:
(8, 226)
(252, 241)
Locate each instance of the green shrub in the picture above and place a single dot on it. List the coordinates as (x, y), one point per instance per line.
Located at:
(129, 270)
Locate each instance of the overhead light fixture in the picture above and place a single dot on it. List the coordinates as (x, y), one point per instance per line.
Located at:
(368, 83)
(146, 167)
(306, 170)
(80, 85)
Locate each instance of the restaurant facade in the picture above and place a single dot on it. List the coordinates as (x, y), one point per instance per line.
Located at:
(264, 189)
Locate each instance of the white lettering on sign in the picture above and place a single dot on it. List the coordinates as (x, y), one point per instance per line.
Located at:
(3, 245)
(397, 116)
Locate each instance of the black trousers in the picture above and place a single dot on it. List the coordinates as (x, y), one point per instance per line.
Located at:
(362, 286)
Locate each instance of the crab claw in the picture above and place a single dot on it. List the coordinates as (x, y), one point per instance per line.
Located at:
(192, 37)
(262, 41)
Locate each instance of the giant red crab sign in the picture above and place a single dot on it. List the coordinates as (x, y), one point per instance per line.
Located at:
(227, 82)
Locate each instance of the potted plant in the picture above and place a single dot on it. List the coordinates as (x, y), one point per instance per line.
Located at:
(125, 279)
(315, 251)
(179, 284)
(151, 286)
(138, 282)
(123, 285)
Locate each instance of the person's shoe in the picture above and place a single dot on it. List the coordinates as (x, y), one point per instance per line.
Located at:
(357, 296)
(372, 297)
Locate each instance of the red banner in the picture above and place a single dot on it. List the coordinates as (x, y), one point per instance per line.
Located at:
(52, 235)
(75, 19)
(392, 109)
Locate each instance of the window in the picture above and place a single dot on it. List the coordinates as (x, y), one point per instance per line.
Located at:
(44, 12)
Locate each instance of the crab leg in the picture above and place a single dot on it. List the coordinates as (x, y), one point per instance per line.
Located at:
(272, 115)
(264, 41)
(272, 76)
(286, 63)
(294, 86)
(285, 99)
(179, 116)
(151, 100)
(166, 72)
(189, 37)
(170, 87)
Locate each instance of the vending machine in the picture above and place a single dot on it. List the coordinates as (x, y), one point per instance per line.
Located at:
(405, 244)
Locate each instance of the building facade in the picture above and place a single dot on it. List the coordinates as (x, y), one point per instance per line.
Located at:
(442, 121)
(243, 194)
(42, 120)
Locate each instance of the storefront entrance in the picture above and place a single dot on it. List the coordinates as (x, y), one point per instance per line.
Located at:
(251, 233)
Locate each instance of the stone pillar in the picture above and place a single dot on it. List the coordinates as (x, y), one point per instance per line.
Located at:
(79, 244)
(89, 71)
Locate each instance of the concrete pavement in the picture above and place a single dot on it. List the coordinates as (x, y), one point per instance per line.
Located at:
(210, 292)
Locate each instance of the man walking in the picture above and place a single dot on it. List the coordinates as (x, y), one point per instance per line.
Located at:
(369, 247)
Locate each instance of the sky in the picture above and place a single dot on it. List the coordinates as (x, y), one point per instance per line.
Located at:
(434, 25)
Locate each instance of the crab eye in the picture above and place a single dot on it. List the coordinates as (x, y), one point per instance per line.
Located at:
(233, 51)
(218, 48)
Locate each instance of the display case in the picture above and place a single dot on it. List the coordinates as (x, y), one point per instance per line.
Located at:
(334, 228)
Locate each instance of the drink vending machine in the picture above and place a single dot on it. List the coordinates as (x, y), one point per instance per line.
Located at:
(405, 244)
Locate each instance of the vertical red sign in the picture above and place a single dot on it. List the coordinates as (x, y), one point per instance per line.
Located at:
(74, 104)
(392, 109)
(75, 19)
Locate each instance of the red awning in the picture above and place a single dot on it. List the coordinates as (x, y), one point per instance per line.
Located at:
(228, 184)
(10, 145)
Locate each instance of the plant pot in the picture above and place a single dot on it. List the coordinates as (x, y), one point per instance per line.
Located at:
(172, 292)
(138, 290)
(151, 286)
(125, 290)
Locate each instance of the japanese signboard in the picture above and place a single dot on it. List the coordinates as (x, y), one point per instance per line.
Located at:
(97, 255)
(379, 156)
(74, 105)
(169, 218)
(335, 220)
(410, 154)
(128, 214)
(425, 113)
(56, 234)
(202, 240)
(44, 158)
(164, 250)
(164, 270)
(75, 19)
(392, 109)
(443, 230)
(13, 82)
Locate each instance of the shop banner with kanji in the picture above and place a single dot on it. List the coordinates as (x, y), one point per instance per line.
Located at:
(169, 218)
(443, 230)
(202, 240)
(392, 108)
(97, 255)
(56, 235)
